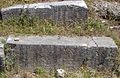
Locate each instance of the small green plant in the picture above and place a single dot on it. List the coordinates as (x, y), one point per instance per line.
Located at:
(40, 71)
(2, 75)
(93, 25)
(9, 58)
(86, 72)
(7, 48)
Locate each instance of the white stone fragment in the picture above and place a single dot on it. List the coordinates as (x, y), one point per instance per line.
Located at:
(60, 73)
(16, 39)
(85, 45)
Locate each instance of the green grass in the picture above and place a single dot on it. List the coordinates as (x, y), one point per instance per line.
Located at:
(82, 72)
(42, 27)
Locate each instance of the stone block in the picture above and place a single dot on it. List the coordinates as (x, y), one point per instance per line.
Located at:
(55, 52)
(103, 56)
(59, 12)
(11, 12)
(2, 55)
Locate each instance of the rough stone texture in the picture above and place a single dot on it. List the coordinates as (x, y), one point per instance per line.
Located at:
(2, 55)
(71, 52)
(61, 11)
(109, 10)
(103, 56)
(60, 73)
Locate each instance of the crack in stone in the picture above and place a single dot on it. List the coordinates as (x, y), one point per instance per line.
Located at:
(94, 42)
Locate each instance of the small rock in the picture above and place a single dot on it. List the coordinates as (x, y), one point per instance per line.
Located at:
(115, 27)
(16, 39)
(60, 73)
(103, 21)
(17, 76)
(29, 75)
(85, 45)
(24, 75)
(111, 27)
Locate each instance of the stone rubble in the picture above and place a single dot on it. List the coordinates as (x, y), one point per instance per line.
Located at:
(107, 10)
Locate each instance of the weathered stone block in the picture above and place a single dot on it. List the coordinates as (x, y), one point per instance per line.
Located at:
(102, 56)
(11, 12)
(2, 57)
(61, 11)
(55, 52)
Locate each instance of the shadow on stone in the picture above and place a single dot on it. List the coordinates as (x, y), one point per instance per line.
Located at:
(1, 64)
(0, 15)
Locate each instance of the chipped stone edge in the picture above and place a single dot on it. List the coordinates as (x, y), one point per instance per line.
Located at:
(92, 42)
(80, 3)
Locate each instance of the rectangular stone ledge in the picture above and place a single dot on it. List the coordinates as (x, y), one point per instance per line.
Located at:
(2, 54)
(62, 11)
(2, 57)
(52, 40)
(57, 51)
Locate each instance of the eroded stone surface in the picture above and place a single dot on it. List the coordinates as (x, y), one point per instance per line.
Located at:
(62, 11)
(55, 52)
(2, 55)
(107, 10)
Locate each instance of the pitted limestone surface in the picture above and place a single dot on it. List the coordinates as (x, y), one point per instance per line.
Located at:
(52, 40)
(61, 11)
(57, 51)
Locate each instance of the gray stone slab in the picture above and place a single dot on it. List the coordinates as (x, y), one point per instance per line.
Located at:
(59, 51)
(104, 42)
(52, 40)
(62, 11)
(2, 50)
(104, 55)
(11, 12)
(2, 56)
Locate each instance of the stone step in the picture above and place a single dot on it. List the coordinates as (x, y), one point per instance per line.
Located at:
(51, 52)
(67, 11)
